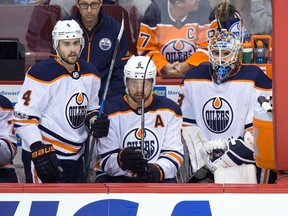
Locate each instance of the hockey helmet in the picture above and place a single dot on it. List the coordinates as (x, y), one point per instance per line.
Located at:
(223, 52)
(136, 67)
(67, 29)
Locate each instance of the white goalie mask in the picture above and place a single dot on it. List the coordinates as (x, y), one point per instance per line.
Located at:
(223, 51)
(67, 29)
(135, 69)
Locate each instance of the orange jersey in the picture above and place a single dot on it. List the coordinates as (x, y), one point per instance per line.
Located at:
(172, 40)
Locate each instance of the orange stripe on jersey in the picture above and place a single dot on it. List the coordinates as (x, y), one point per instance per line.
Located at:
(42, 81)
(24, 121)
(165, 109)
(7, 109)
(176, 156)
(60, 145)
(91, 74)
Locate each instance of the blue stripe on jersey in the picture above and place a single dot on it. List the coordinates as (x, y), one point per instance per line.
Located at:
(51, 133)
(5, 103)
(118, 104)
(69, 154)
(172, 161)
(192, 121)
(249, 125)
(49, 69)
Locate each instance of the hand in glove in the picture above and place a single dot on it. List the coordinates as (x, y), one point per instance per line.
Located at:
(236, 153)
(46, 163)
(153, 174)
(97, 127)
(131, 158)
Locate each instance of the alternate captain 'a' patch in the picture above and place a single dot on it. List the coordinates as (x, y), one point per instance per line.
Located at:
(76, 109)
(151, 142)
(217, 115)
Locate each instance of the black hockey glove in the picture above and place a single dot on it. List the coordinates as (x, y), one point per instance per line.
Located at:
(97, 127)
(154, 174)
(131, 158)
(46, 163)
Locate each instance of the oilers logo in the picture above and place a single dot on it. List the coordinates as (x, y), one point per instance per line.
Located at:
(105, 44)
(217, 115)
(151, 143)
(178, 50)
(236, 29)
(76, 110)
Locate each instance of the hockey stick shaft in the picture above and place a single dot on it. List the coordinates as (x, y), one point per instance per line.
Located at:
(143, 109)
(111, 67)
(93, 142)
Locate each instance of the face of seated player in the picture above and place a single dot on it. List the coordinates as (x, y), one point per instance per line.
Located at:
(223, 57)
(69, 50)
(135, 87)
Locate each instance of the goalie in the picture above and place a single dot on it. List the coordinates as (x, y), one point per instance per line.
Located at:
(219, 97)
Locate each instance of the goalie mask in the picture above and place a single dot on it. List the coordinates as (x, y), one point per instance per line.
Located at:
(67, 29)
(135, 69)
(223, 51)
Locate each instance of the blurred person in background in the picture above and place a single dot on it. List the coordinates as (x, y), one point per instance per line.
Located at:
(172, 30)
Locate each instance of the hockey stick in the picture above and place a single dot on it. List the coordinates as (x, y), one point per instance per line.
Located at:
(143, 110)
(93, 142)
(111, 67)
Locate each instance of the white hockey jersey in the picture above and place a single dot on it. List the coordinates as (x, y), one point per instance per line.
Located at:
(52, 106)
(224, 110)
(162, 137)
(8, 148)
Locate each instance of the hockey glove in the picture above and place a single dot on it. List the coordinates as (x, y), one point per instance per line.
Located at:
(46, 163)
(97, 127)
(238, 152)
(153, 174)
(131, 158)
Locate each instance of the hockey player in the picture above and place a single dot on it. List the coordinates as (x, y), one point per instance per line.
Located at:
(8, 147)
(121, 158)
(219, 97)
(57, 99)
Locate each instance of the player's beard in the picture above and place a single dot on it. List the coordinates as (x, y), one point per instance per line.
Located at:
(70, 59)
(137, 98)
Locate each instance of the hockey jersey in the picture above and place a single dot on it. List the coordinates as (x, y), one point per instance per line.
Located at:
(53, 103)
(171, 40)
(162, 135)
(8, 148)
(224, 110)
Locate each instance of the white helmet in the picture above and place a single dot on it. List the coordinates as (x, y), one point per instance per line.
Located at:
(136, 66)
(67, 29)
